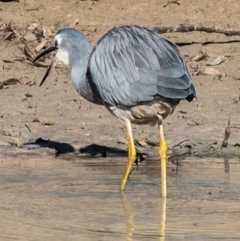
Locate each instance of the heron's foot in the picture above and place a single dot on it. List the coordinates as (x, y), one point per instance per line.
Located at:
(163, 159)
(132, 155)
(139, 159)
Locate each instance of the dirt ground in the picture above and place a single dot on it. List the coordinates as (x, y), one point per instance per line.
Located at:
(78, 123)
(75, 196)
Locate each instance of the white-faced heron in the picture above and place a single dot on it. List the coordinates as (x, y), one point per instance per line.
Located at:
(138, 75)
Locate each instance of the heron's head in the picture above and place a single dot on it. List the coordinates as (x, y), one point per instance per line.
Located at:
(69, 45)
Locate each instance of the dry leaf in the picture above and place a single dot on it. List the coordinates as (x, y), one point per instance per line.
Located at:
(121, 140)
(29, 36)
(218, 60)
(199, 57)
(28, 95)
(48, 122)
(226, 135)
(69, 15)
(24, 98)
(35, 118)
(31, 83)
(32, 27)
(142, 142)
(6, 61)
(38, 64)
(9, 26)
(19, 140)
(31, 56)
(170, 2)
(29, 53)
(12, 81)
(41, 45)
(46, 32)
(211, 71)
(16, 33)
(151, 143)
(7, 36)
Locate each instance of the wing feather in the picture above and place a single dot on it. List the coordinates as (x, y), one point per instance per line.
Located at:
(132, 64)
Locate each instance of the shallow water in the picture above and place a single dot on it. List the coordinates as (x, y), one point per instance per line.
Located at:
(79, 199)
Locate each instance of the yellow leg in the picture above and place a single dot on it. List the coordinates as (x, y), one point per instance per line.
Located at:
(163, 156)
(131, 154)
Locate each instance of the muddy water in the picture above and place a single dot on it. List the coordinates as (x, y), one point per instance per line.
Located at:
(78, 199)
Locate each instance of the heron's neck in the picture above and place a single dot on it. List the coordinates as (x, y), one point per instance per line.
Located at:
(81, 80)
(78, 73)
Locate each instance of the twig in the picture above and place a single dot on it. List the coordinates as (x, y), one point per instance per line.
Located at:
(207, 42)
(19, 140)
(178, 144)
(197, 27)
(4, 133)
(28, 128)
(236, 127)
(35, 117)
(226, 135)
(170, 2)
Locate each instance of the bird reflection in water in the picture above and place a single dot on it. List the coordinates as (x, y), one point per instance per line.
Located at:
(130, 218)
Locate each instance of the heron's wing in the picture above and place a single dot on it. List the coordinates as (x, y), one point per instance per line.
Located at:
(131, 64)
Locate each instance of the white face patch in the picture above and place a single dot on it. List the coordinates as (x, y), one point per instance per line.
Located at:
(62, 56)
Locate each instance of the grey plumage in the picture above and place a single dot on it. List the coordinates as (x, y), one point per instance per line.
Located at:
(129, 66)
(132, 64)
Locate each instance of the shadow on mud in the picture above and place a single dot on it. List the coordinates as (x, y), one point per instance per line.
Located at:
(176, 154)
(59, 147)
(102, 151)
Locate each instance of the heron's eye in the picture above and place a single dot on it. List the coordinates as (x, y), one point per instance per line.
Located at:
(56, 43)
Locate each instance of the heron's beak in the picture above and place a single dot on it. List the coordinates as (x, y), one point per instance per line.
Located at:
(48, 50)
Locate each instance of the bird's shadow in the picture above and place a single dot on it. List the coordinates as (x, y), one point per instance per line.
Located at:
(59, 147)
(91, 150)
(94, 150)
